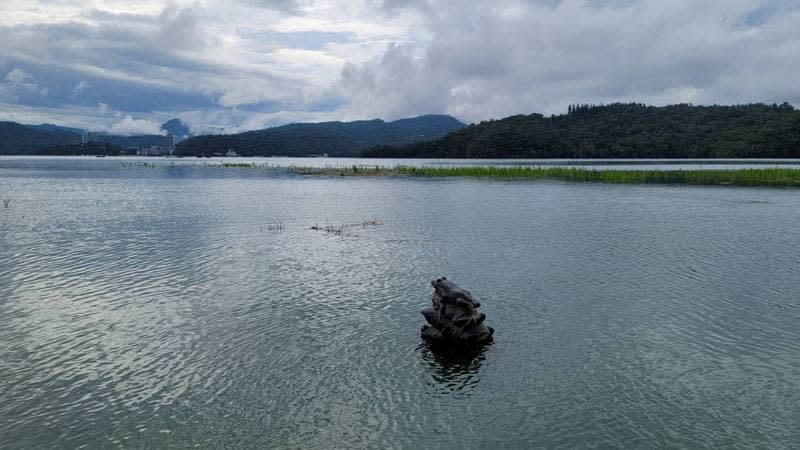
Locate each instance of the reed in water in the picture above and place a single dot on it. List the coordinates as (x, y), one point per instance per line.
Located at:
(779, 177)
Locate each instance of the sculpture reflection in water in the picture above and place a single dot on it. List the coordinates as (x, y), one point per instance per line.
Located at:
(457, 369)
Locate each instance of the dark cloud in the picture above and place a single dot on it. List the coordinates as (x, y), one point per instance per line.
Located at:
(62, 87)
(307, 40)
(122, 65)
(287, 6)
(178, 29)
(134, 63)
(394, 6)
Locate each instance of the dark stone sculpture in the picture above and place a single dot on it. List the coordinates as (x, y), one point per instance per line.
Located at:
(454, 317)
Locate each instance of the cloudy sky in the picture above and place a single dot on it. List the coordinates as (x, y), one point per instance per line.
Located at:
(244, 64)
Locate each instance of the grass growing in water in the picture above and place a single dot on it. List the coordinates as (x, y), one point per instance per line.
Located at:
(770, 177)
(239, 165)
(737, 177)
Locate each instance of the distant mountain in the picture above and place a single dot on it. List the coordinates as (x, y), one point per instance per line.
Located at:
(332, 138)
(136, 141)
(622, 131)
(49, 127)
(17, 139)
(177, 128)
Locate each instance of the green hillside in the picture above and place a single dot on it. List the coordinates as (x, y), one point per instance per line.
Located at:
(623, 131)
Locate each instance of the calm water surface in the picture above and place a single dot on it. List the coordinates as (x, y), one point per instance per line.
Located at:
(154, 307)
(91, 163)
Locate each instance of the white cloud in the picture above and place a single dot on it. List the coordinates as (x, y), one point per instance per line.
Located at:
(251, 91)
(267, 120)
(18, 85)
(129, 126)
(80, 87)
(396, 85)
(16, 76)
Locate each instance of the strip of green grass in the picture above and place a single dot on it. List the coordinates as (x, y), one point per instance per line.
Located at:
(770, 177)
(737, 177)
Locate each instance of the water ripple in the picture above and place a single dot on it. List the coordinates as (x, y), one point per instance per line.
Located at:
(157, 309)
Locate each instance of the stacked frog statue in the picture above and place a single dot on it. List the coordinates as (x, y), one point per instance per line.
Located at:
(454, 317)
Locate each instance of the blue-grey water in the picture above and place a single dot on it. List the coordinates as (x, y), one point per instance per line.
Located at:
(183, 306)
(89, 163)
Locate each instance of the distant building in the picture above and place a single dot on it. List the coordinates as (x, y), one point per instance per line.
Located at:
(155, 150)
(90, 136)
(231, 152)
(170, 144)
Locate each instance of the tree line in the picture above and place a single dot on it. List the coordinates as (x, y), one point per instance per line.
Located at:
(622, 130)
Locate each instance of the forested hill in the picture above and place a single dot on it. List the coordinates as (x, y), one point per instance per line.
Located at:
(16, 138)
(333, 138)
(623, 131)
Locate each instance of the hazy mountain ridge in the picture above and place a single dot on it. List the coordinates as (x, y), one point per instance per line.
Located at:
(16, 138)
(300, 139)
(622, 131)
(332, 138)
(49, 127)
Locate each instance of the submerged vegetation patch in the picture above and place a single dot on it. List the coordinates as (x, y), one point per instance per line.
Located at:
(341, 230)
(274, 226)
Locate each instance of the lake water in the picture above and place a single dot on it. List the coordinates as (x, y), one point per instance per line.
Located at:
(91, 163)
(157, 307)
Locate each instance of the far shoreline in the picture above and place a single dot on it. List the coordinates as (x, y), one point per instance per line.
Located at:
(542, 161)
(693, 171)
